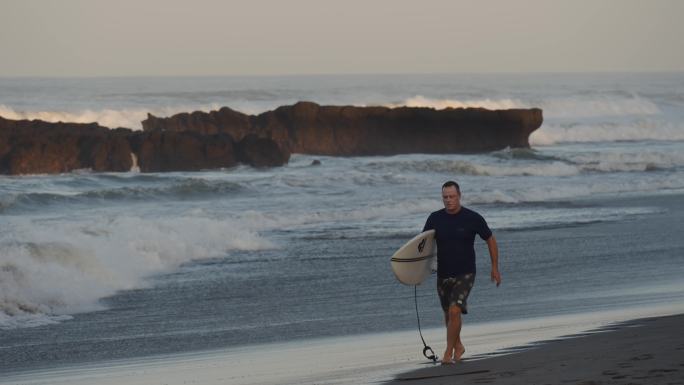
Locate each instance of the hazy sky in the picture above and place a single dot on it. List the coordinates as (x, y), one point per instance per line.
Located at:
(223, 37)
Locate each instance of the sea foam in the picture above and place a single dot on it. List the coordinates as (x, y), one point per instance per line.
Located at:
(440, 104)
(606, 131)
(108, 117)
(49, 270)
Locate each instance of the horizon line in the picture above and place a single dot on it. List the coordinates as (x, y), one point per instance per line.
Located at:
(344, 74)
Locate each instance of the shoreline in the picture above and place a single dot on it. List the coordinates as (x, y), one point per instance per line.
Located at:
(642, 351)
(391, 357)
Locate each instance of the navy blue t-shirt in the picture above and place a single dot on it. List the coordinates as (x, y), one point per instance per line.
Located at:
(455, 236)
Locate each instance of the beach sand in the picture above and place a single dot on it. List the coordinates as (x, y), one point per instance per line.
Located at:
(645, 351)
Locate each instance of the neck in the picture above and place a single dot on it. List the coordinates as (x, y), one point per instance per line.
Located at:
(454, 211)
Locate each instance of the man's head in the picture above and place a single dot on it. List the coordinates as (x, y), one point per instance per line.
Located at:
(451, 197)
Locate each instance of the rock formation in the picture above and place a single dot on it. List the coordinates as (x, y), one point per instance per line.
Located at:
(182, 151)
(38, 147)
(345, 130)
(224, 138)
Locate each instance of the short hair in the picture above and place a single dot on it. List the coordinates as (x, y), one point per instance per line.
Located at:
(451, 183)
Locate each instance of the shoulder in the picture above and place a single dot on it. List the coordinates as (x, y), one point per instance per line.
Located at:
(472, 214)
(436, 216)
(437, 213)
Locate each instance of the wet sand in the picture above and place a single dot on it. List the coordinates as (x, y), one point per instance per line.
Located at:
(645, 351)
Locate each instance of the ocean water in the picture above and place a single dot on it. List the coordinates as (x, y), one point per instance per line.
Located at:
(103, 266)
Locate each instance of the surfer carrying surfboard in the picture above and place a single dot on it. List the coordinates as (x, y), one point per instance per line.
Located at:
(455, 229)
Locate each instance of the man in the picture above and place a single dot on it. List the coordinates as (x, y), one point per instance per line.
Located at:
(455, 229)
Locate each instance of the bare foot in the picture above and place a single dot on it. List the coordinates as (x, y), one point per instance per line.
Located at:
(446, 359)
(459, 350)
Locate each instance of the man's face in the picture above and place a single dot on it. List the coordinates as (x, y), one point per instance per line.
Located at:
(451, 198)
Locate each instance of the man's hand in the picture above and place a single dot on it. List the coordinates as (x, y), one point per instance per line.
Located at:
(494, 255)
(496, 277)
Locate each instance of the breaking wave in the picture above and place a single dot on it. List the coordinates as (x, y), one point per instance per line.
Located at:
(48, 272)
(440, 104)
(642, 129)
(113, 118)
(554, 107)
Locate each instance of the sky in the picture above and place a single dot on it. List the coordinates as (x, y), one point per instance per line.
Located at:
(58, 38)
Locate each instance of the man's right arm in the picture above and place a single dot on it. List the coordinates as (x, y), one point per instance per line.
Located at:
(429, 225)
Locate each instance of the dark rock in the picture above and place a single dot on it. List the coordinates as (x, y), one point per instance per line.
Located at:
(110, 153)
(261, 152)
(346, 130)
(203, 122)
(36, 147)
(182, 151)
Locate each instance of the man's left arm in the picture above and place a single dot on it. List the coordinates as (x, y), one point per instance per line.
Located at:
(494, 255)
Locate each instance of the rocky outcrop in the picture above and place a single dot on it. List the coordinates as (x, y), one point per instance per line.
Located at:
(159, 151)
(346, 130)
(38, 147)
(261, 152)
(224, 138)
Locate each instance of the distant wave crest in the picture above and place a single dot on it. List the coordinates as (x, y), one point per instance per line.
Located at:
(113, 118)
(439, 104)
(554, 107)
(183, 189)
(643, 129)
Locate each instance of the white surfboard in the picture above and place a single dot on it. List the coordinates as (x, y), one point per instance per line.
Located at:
(413, 262)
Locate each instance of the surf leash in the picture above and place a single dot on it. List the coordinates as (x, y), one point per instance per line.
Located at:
(427, 351)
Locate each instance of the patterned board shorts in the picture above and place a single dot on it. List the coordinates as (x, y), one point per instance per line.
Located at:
(455, 290)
